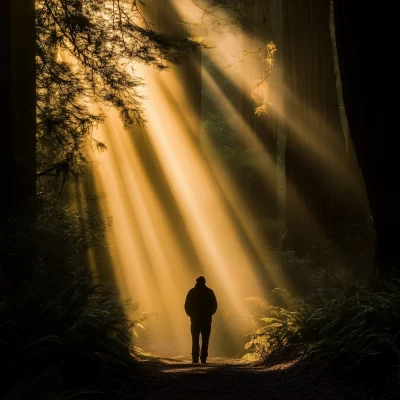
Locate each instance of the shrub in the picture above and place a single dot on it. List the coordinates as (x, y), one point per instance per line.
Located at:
(356, 332)
(65, 335)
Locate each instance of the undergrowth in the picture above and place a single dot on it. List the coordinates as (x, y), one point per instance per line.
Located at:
(358, 333)
(63, 333)
(64, 338)
(333, 309)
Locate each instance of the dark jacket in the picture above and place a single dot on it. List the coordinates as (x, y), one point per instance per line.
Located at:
(200, 303)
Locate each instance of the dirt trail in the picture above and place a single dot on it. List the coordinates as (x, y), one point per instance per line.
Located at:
(221, 378)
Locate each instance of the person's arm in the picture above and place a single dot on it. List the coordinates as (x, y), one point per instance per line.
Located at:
(214, 304)
(189, 304)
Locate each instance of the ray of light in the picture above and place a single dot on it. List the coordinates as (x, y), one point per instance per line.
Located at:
(327, 148)
(195, 189)
(151, 260)
(319, 142)
(267, 165)
(244, 72)
(154, 269)
(176, 213)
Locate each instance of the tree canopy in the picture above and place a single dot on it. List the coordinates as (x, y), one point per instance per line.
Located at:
(87, 53)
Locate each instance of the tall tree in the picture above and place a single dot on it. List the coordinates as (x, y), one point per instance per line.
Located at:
(18, 188)
(257, 27)
(6, 137)
(5, 110)
(366, 39)
(317, 166)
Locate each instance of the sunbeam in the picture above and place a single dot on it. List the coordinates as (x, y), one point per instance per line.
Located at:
(176, 209)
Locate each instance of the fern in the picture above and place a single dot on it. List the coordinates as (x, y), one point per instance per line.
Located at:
(63, 334)
(355, 332)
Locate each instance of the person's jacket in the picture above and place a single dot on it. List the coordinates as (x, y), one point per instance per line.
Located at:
(201, 303)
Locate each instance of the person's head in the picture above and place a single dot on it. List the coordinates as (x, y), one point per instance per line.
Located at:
(200, 280)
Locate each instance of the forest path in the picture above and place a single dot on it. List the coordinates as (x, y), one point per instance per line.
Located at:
(221, 378)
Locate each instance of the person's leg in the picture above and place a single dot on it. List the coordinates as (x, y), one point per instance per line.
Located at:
(205, 338)
(195, 331)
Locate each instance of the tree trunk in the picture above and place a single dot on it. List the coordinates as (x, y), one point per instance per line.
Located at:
(317, 166)
(18, 74)
(6, 143)
(257, 33)
(366, 38)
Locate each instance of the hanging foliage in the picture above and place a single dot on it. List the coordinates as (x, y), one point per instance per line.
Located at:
(87, 53)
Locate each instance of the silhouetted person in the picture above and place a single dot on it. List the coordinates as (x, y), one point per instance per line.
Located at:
(200, 306)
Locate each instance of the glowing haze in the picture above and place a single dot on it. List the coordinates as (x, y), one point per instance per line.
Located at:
(176, 214)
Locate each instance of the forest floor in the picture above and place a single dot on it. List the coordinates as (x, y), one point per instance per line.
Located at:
(279, 378)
